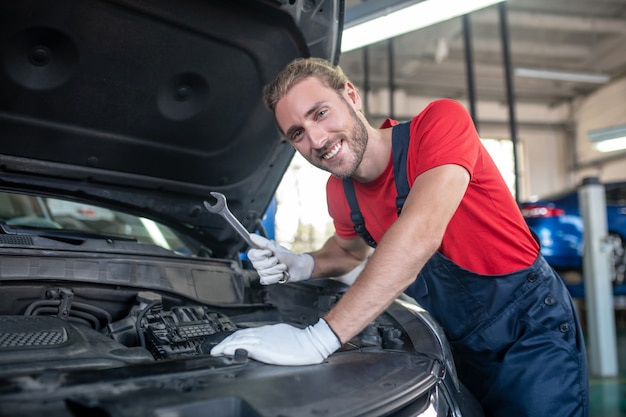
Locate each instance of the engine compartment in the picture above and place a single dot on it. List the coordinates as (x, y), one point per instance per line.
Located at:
(114, 335)
(66, 329)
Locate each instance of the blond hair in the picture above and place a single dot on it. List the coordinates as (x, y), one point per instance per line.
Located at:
(301, 68)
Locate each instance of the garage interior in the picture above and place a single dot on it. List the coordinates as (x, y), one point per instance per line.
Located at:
(567, 39)
(537, 74)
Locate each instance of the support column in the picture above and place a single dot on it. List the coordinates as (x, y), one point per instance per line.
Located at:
(601, 337)
(510, 91)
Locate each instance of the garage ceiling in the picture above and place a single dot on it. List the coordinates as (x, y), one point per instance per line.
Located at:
(565, 35)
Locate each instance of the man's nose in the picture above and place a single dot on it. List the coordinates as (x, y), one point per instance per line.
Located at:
(317, 136)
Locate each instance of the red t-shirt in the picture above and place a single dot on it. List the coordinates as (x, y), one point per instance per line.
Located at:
(487, 234)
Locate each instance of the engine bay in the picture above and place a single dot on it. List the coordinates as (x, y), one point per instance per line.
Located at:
(66, 331)
(112, 335)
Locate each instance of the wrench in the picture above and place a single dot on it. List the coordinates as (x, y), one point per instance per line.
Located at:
(221, 208)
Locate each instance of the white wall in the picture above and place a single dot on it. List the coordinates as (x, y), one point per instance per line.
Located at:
(605, 108)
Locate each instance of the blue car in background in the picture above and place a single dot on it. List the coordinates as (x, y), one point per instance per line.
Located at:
(558, 224)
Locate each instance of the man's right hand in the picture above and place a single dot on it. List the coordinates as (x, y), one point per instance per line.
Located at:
(272, 260)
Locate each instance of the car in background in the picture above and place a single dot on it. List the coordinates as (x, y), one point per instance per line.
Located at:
(118, 119)
(558, 224)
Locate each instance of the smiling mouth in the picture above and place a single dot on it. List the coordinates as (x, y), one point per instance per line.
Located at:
(332, 152)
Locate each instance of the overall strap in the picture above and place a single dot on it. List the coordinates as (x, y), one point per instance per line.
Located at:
(355, 213)
(400, 137)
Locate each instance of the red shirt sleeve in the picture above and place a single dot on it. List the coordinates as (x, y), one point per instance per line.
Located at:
(442, 134)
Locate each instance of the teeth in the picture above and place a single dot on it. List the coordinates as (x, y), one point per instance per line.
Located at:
(333, 151)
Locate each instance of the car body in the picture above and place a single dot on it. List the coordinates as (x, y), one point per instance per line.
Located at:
(118, 119)
(558, 224)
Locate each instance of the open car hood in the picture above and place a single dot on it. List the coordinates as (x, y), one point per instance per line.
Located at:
(149, 106)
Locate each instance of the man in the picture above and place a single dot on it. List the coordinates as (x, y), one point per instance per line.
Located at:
(460, 247)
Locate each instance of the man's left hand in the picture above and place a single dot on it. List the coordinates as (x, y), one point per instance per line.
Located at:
(282, 344)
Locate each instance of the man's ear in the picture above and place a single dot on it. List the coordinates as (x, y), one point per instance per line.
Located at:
(353, 96)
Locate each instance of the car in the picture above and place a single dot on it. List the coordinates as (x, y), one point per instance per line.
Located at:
(119, 120)
(557, 222)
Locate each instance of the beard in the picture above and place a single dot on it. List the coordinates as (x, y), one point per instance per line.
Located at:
(357, 142)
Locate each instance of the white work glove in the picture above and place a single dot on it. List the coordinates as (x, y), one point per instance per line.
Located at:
(282, 344)
(272, 260)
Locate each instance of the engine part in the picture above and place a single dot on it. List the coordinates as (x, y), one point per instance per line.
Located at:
(181, 330)
(38, 343)
(60, 302)
(178, 331)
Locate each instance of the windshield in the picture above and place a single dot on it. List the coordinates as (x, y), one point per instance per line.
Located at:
(21, 211)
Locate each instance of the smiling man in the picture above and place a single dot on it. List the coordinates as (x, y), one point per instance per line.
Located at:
(447, 232)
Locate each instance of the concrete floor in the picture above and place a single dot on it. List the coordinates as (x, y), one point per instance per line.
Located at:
(607, 396)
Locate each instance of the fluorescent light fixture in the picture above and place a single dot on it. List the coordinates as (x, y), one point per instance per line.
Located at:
(398, 21)
(608, 139)
(580, 77)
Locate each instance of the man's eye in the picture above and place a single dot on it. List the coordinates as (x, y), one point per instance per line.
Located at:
(296, 135)
(321, 113)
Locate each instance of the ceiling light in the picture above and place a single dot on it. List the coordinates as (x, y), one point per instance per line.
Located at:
(608, 139)
(391, 22)
(581, 77)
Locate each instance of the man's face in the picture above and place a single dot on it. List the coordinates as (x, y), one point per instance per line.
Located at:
(323, 126)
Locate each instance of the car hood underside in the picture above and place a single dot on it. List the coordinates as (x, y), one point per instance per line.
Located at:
(150, 106)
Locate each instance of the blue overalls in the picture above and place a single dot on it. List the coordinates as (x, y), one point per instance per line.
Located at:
(516, 339)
